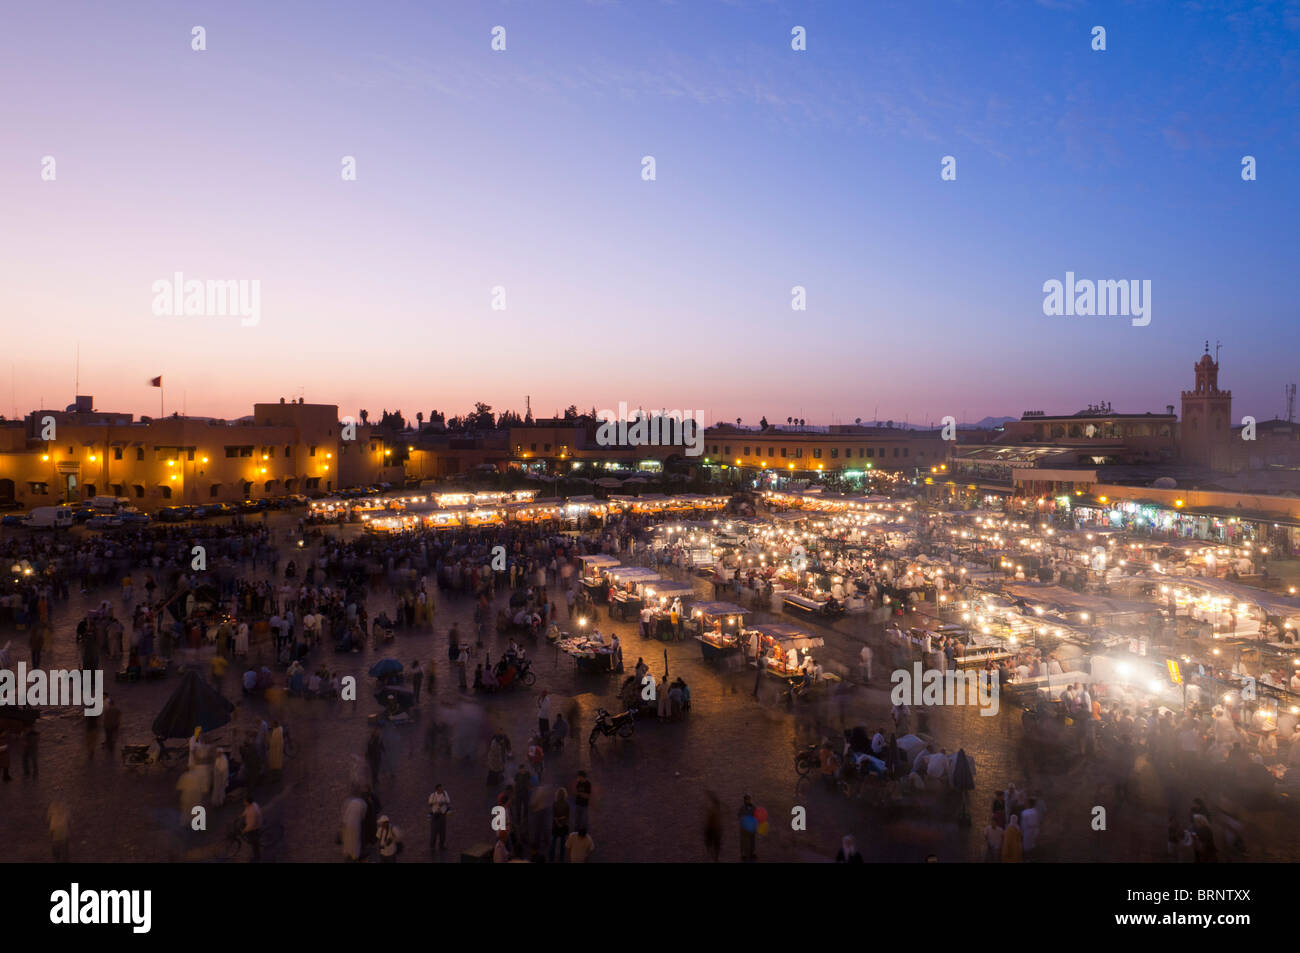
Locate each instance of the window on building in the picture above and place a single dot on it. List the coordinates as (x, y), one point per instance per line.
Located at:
(166, 492)
(895, 452)
(746, 451)
(288, 451)
(214, 490)
(906, 451)
(835, 453)
(117, 453)
(546, 447)
(90, 490)
(783, 451)
(798, 453)
(139, 490)
(817, 453)
(532, 446)
(771, 451)
(38, 489)
(232, 452)
(189, 454)
(727, 450)
(871, 452)
(311, 452)
(139, 453)
(245, 451)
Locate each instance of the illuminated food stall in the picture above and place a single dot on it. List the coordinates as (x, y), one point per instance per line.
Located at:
(717, 628)
(784, 647)
(661, 596)
(626, 585)
(594, 569)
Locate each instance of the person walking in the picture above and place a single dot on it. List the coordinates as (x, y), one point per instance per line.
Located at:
(581, 800)
(713, 828)
(865, 658)
(252, 826)
(462, 662)
(439, 808)
(748, 831)
(112, 722)
(544, 715)
(559, 825)
(57, 817)
(389, 839)
(417, 679)
(275, 749)
(1012, 841)
(578, 846)
(36, 642)
(374, 754)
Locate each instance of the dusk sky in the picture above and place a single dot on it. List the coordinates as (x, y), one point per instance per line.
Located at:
(775, 168)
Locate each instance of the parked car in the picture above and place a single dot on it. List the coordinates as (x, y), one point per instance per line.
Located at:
(222, 509)
(174, 514)
(104, 521)
(296, 499)
(131, 515)
(13, 519)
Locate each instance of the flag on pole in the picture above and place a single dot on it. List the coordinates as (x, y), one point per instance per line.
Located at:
(156, 382)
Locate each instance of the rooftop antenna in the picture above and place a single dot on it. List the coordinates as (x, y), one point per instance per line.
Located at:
(1290, 403)
(1217, 346)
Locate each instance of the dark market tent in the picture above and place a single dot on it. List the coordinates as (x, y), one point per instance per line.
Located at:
(194, 704)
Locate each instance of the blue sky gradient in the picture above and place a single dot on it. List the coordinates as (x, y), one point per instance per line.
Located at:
(775, 168)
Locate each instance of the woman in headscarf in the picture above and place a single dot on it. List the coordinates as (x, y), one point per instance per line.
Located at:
(354, 811)
(220, 778)
(848, 853)
(1012, 841)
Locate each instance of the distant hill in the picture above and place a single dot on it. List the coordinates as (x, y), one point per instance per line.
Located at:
(989, 423)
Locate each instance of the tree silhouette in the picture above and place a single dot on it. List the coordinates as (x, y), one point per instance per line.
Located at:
(737, 421)
(419, 417)
(789, 421)
(365, 416)
(762, 424)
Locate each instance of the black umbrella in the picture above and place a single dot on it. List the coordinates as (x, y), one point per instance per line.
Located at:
(194, 704)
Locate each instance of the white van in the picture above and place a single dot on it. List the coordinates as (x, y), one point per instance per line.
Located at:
(108, 504)
(49, 517)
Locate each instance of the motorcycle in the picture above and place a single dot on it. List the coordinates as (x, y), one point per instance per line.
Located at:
(518, 674)
(622, 724)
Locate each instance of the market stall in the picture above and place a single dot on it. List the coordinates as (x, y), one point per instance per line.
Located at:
(785, 648)
(717, 628)
(594, 569)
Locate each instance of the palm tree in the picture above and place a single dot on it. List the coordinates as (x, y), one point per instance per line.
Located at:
(789, 421)
(737, 421)
(419, 418)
